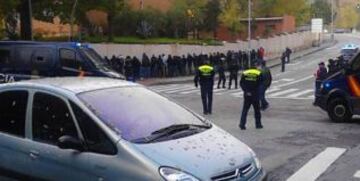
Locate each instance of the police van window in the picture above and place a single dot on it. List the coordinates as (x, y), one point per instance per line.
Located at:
(13, 112)
(51, 119)
(23, 57)
(68, 59)
(41, 59)
(4, 57)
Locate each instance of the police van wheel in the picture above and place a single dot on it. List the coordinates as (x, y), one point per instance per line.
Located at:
(338, 110)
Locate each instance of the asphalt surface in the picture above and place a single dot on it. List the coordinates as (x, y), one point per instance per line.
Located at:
(298, 138)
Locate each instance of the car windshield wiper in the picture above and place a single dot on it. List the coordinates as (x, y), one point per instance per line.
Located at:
(170, 130)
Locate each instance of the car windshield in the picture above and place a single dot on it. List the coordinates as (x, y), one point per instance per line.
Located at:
(95, 58)
(135, 112)
(348, 51)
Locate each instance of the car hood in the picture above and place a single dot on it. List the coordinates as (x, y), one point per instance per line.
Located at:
(204, 155)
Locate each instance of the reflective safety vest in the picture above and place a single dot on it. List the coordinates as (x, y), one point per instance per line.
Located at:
(206, 70)
(252, 75)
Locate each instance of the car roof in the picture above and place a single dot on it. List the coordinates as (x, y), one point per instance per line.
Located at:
(350, 46)
(74, 85)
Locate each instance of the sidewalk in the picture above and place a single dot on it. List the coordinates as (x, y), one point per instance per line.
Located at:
(270, 63)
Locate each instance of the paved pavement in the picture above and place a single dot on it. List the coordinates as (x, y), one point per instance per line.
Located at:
(299, 142)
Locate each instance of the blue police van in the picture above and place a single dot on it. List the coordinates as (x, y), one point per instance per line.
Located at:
(22, 60)
(339, 94)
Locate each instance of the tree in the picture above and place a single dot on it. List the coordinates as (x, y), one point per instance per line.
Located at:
(212, 12)
(347, 17)
(321, 9)
(231, 15)
(300, 9)
(8, 11)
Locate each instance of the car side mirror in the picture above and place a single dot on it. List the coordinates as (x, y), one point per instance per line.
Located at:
(69, 142)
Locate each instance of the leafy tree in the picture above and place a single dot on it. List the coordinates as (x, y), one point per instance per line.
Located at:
(8, 18)
(212, 12)
(321, 9)
(347, 17)
(231, 15)
(300, 9)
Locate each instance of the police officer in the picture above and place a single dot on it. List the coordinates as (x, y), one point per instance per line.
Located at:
(205, 75)
(250, 81)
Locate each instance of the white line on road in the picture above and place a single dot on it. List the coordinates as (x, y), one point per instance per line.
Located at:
(357, 174)
(282, 92)
(298, 94)
(192, 91)
(297, 81)
(187, 88)
(318, 165)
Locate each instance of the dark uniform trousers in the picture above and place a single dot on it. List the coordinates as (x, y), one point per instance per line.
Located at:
(205, 76)
(206, 97)
(222, 79)
(251, 99)
(233, 77)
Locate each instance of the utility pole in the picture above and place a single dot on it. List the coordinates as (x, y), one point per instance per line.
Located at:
(332, 20)
(249, 32)
(72, 20)
(26, 20)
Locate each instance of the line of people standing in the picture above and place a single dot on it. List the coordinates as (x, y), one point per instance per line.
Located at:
(173, 66)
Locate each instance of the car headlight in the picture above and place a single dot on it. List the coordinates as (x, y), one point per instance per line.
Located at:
(171, 174)
(321, 86)
(256, 159)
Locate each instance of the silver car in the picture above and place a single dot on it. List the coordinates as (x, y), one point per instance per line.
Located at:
(104, 129)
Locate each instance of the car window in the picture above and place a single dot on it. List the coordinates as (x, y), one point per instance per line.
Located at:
(95, 139)
(68, 59)
(51, 119)
(13, 106)
(41, 59)
(4, 60)
(23, 58)
(135, 112)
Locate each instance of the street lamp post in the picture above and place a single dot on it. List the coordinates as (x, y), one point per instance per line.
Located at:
(249, 33)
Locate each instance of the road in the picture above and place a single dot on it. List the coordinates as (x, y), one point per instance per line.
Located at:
(298, 139)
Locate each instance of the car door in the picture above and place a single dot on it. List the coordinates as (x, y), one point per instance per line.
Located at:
(52, 119)
(102, 152)
(14, 147)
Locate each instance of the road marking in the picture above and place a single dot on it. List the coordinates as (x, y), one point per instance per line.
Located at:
(318, 165)
(168, 88)
(282, 92)
(297, 81)
(187, 88)
(287, 80)
(292, 64)
(189, 92)
(357, 174)
(295, 95)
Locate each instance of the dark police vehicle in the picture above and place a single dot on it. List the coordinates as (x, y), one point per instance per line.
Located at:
(339, 94)
(21, 60)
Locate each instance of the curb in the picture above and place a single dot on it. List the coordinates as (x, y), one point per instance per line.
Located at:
(165, 82)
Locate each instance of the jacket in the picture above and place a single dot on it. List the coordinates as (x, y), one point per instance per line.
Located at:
(251, 80)
(205, 75)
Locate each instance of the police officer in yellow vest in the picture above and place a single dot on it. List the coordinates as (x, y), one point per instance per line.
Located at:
(205, 76)
(250, 82)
